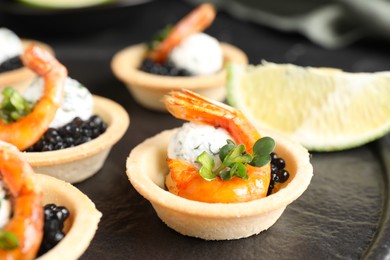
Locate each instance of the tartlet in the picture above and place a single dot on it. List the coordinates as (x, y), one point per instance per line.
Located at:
(21, 78)
(82, 223)
(147, 169)
(148, 89)
(78, 163)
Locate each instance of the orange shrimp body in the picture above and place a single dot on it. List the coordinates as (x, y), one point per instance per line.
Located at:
(196, 21)
(185, 181)
(27, 130)
(27, 218)
(184, 178)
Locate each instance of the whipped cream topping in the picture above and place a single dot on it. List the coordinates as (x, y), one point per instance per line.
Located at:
(194, 138)
(200, 54)
(77, 101)
(10, 45)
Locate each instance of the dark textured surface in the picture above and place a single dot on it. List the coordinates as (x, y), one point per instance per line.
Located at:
(344, 214)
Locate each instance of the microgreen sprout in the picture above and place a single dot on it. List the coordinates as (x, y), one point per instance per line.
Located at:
(159, 37)
(13, 106)
(8, 240)
(234, 159)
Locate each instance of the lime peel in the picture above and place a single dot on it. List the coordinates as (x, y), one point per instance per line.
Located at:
(63, 4)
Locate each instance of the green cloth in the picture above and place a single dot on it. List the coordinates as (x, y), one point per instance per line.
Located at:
(329, 23)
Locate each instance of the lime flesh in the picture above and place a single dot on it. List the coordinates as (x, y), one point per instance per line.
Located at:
(324, 109)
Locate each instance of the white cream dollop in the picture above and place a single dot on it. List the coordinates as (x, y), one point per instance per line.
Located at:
(10, 45)
(194, 138)
(200, 54)
(78, 101)
(5, 207)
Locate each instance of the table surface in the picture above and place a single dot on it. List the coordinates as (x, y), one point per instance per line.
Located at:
(344, 214)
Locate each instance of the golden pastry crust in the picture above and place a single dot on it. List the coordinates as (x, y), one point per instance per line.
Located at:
(83, 221)
(148, 89)
(78, 163)
(22, 77)
(147, 169)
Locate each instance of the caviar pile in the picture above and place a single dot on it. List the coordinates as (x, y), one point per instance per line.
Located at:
(278, 172)
(72, 134)
(54, 218)
(11, 64)
(165, 69)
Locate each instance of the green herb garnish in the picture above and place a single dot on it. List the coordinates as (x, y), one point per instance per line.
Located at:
(262, 150)
(13, 106)
(159, 37)
(234, 159)
(8, 240)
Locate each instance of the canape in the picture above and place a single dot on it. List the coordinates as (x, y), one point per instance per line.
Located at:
(64, 130)
(41, 216)
(148, 89)
(214, 221)
(232, 204)
(179, 57)
(82, 224)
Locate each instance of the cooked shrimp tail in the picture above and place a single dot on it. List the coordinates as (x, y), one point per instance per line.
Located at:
(46, 65)
(196, 21)
(190, 106)
(27, 218)
(27, 130)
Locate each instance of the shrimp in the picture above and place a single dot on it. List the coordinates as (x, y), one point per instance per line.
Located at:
(184, 178)
(27, 218)
(27, 130)
(196, 21)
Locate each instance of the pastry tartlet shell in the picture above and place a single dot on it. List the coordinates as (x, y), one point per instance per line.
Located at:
(82, 223)
(22, 77)
(147, 168)
(148, 89)
(78, 163)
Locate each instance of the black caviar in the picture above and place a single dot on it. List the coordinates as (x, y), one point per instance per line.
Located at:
(164, 69)
(72, 134)
(278, 171)
(11, 64)
(54, 218)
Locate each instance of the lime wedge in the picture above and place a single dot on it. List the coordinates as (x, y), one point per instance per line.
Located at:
(324, 109)
(63, 4)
